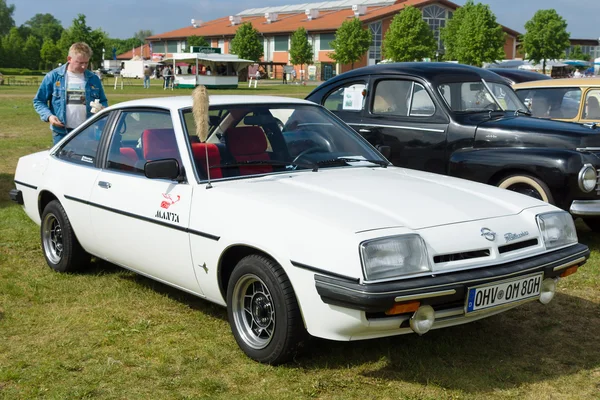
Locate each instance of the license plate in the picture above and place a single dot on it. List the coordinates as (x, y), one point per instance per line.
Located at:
(497, 294)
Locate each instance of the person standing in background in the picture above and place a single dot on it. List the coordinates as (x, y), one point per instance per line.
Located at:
(64, 96)
(147, 74)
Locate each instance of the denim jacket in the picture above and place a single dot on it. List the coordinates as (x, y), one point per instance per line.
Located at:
(51, 97)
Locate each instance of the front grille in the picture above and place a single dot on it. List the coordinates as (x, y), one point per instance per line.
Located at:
(517, 246)
(466, 255)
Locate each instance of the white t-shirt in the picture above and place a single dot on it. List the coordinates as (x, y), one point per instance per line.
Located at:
(76, 110)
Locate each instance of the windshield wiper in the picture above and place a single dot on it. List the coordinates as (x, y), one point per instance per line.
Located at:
(334, 161)
(521, 111)
(314, 167)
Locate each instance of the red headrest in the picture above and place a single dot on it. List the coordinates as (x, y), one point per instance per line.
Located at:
(246, 140)
(159, 143)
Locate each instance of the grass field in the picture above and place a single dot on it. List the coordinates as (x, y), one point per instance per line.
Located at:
(110, 334)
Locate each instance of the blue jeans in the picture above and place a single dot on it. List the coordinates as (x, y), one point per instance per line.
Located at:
(57, 137)
(146, 82)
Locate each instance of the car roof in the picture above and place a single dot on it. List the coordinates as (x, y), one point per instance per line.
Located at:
(436, 72)
(562, 82)
(519, 75)
(177, 102)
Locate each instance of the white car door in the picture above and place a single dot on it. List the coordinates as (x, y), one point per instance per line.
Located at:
(141, 222)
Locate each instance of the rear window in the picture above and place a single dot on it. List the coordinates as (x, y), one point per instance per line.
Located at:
(559, 103)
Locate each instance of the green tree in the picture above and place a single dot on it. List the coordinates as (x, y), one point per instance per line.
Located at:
(351, 42)
(6, 17)
(198, 41)
(81, 32)
(13, 45)
(545, 37)
(31, 53)
(473, 36)
(45, 26)
(50, 54)
(301, 52)
(577, 54)
(142, 34)
(246, 43)
(409, 37)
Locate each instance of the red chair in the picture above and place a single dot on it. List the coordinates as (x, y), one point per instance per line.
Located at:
(200, 152)
(248, 143)
(159, 144)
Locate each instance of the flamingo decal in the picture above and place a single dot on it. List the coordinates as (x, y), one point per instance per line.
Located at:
(169, 202)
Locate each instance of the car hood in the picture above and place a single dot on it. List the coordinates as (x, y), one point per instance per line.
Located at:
(571, 134)
(366, 198)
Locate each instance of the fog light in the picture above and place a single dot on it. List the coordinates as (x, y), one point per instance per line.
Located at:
(547, 290)
(422, 320)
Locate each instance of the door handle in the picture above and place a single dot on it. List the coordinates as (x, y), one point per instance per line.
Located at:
(104, 185)
(363, 130)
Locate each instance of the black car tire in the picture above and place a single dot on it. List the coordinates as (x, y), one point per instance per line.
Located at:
(61, 249)
(263, 311)
(527, 185)
(593, 223)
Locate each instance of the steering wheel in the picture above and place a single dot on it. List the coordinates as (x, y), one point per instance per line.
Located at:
(314, 149)
(491, 106)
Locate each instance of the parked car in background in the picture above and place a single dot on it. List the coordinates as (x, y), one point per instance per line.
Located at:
(305, 229)
(514, 75)
(467, 122)
(567, 99)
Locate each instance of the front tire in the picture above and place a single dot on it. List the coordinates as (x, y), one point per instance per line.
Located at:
(263, 312)
(62, 251)
(527, 185)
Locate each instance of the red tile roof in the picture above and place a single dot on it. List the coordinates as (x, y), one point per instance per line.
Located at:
(145, 49)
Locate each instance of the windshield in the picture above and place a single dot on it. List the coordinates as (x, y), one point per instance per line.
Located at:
(480, 96)
(255, 139)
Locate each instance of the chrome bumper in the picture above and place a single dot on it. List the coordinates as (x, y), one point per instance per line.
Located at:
(583, 208)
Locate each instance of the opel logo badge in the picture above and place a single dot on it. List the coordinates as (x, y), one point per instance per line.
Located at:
(488, 234)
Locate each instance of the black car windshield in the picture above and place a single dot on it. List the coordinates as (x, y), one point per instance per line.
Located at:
(480, 96)
(255, 139)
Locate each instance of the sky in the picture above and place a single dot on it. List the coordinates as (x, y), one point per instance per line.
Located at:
(123, 18)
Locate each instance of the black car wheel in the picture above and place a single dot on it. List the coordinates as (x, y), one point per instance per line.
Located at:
(62, 251)
(263, 312)
(527, 185)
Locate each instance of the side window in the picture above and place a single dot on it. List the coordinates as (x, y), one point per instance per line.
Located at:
(83, 148)
(142, 136)
(349, 97)
(592, 105)
(421, 104)
(392, 97)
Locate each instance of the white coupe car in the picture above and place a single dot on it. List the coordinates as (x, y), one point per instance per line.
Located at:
(286, 216)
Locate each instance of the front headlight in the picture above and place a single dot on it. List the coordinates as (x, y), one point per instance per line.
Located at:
(558, 229)
(587, 178)
(394, 256)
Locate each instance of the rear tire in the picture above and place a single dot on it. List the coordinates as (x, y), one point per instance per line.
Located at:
(62, 251)
(527, 185)
(263, 312)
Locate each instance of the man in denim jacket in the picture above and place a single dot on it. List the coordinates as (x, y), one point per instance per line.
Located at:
(64, 97)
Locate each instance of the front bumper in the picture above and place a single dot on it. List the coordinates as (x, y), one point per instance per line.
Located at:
(17, 196)
(444, 290)
(585, 208)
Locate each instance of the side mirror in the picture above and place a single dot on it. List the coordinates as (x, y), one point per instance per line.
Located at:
(386, 151)
(162, 169)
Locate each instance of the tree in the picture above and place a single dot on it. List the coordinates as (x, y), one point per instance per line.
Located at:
(545, 37)
(577, 54)
(6, 17)
(50, 54)
(301, 52)
(473, 36)
(246, 43)
(409, 37)
(80, 31)
(198, 41)
(351, 42)
(142, 34)
(31, 53)
(45, 26)
(13, 45)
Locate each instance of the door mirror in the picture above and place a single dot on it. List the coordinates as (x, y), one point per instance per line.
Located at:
(162, 169)
(386, 151)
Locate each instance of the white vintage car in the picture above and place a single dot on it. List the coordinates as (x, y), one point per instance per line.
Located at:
(291, 220)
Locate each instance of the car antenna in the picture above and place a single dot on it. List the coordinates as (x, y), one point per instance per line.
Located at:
(200, 111)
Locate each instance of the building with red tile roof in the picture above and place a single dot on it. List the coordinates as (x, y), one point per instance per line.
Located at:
(321, 20)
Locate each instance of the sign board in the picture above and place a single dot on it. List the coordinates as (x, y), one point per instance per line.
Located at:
(206, 50)
(288, 69)
(353, 98)
(312, 72)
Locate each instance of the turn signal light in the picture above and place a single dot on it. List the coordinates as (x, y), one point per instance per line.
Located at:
(402, 308)
(569, 271)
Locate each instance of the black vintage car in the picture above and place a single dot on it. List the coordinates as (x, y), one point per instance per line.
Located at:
(467, 122)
